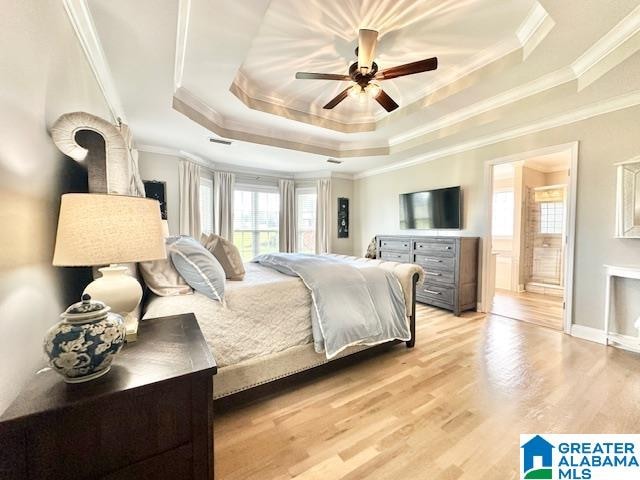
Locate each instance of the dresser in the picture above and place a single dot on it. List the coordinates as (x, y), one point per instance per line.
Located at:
(450, 267)
(150, 417)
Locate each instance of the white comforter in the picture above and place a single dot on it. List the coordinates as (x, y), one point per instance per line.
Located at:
(265, 313)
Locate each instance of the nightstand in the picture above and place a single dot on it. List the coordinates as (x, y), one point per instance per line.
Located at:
(150, 417)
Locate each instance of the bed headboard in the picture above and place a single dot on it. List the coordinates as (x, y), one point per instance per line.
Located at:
(106, 152)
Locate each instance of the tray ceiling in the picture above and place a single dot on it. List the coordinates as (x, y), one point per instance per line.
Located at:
(185, 70)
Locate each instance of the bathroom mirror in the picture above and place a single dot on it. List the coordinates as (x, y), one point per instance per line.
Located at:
(628, 199)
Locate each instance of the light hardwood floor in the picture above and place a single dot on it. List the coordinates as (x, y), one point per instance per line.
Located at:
(451, 408)
(545, 310)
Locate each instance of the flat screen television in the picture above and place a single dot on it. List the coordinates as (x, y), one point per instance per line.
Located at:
(431, 209)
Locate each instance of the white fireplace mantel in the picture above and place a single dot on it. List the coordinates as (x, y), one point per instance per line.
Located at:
(612, 271)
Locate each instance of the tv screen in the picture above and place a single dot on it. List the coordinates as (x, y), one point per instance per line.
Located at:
(432, 209)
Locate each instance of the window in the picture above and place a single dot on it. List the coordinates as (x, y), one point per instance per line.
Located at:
(502, 219)
(206, 205)
(551, 216)
(306, 220)
(256, 212)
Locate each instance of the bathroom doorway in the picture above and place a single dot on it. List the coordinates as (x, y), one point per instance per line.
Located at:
(529, 248)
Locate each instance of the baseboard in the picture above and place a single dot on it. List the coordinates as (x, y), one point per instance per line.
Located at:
(588, 333)
(625, 342)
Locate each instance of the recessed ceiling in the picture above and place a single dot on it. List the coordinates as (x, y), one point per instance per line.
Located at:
(320, 36)
(196, 68)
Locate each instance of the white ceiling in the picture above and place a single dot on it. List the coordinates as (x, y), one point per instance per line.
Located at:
(320, 36)
(186, 70)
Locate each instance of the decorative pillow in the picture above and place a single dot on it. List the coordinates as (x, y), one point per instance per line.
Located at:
(227, 254)
(197, 266)
(371, 249)
(163, 279)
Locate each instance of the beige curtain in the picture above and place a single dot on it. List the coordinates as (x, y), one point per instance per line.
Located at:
(287, 236)
(189, 189)
(223, 185)
(323, 216)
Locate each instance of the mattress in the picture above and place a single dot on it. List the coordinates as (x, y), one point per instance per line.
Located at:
(266, 313)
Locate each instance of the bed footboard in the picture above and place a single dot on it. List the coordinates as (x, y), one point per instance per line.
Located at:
(412, 319)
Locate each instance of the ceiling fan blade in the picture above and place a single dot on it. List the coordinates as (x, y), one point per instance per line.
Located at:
(337, 99)
(322, 76)
(408, 69)
(367, 40)
(386, 101)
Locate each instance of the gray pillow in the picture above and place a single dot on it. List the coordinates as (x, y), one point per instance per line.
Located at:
(197, 266)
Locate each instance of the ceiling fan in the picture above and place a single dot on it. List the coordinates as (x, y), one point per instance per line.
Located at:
(364, 72)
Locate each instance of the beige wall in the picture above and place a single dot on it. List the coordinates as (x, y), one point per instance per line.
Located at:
(43, 73)
(341, 187)
(164, 168)
(155, 166)
(604, 140)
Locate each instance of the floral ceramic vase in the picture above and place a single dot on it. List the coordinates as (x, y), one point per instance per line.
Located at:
(81, 347)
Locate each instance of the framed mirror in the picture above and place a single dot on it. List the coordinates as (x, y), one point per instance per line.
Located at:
(628, 199)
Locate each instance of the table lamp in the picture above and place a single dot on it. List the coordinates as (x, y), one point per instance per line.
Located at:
(100, 229)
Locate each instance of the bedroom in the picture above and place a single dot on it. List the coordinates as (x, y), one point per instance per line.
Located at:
(197, 101)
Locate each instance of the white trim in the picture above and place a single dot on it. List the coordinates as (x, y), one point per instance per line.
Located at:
(572, 148)
(539, 85)
(626, 342)
(588, 333)
(534, 20)
(611, 41)
(82, 22)
(580, 114)
(182, 30)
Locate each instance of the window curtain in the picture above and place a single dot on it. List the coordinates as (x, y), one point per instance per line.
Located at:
(223, 186)
(189, 189)
(287, 227)
(323, 216)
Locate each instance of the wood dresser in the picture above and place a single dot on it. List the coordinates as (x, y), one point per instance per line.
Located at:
(450, 266)
(150, 417)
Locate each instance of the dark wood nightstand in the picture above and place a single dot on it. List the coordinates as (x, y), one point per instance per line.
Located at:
(150, 417)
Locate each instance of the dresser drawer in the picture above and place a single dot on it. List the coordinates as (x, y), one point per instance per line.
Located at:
(436, 249)
(438, 276)
(395, 257)
(435, 263)
(436, 292)
(396, 245)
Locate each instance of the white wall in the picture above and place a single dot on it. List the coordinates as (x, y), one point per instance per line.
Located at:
(604, 140)
(43, 73)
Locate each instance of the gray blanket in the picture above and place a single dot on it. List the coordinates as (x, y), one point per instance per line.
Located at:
(354, 304)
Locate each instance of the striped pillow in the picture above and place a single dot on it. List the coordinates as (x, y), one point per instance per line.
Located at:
(199, 268)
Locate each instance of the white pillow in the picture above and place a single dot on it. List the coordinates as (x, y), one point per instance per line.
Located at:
(199, 268)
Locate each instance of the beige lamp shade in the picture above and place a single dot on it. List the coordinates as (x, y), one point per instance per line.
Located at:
(99, 229)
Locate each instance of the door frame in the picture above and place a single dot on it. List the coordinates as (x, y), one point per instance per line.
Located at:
(572, 188)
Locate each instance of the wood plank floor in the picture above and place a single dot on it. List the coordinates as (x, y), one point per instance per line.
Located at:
(451, 408)
(545, 310)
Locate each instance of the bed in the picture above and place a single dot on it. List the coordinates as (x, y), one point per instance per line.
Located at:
(263, 331)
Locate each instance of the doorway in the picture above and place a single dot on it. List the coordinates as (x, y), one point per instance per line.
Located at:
(528, 248)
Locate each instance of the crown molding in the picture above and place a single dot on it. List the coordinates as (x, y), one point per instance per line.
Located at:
(82, 22)
(322, 174)
(247, 92)
(182, 30)
(520, 92)
(583, 113)
(611, 41)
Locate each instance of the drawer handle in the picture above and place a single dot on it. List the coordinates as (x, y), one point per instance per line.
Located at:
(435, 274)
(448, 248)
(433, 260)
(433, 292)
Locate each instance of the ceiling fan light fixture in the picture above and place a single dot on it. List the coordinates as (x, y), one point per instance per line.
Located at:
(355, 91)
(373, 90)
